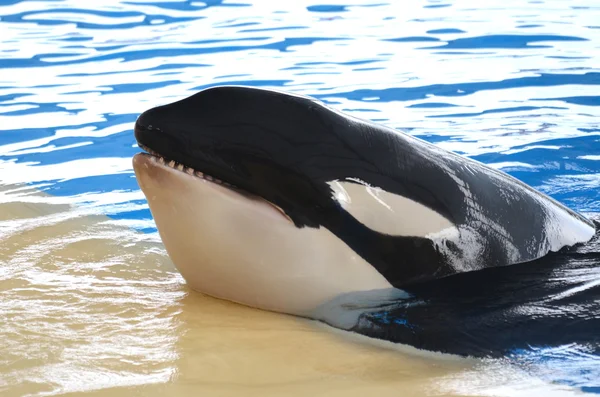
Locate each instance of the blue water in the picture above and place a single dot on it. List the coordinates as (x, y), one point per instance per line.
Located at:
(515, 84)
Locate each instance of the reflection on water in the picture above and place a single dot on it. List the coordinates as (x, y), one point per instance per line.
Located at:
(90, 306)
(89, 301)
(81, 298)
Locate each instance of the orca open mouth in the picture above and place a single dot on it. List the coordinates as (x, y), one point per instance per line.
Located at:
(177, 166)
(191, 171)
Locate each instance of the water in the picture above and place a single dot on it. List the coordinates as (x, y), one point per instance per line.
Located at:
(91, 303)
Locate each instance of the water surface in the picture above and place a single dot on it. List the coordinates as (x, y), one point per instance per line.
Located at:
(91, 304)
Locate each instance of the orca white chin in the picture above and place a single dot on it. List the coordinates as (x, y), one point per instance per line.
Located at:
(239, 247)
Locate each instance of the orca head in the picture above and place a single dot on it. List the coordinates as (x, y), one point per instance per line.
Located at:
(274, 200)
(277, 201)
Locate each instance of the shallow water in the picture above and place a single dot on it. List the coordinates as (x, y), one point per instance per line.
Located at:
(91, 304)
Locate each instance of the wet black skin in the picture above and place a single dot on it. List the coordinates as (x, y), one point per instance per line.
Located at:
(502, 311)
(286, 148)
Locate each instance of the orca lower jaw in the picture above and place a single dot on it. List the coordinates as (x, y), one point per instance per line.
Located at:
(189, 170)
(174, 165)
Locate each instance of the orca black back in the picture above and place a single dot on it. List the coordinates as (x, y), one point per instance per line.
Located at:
(550, 302)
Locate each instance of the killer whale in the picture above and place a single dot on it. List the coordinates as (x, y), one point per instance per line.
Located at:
(276, 201)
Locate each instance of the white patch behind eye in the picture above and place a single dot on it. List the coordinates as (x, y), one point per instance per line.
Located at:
(386, 212)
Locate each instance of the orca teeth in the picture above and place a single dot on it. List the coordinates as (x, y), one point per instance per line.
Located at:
(180, 167)
(192, 172)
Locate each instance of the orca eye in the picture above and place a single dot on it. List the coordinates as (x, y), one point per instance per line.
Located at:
(386, 212)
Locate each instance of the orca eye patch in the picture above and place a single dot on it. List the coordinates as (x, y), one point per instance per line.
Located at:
(386, 212)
